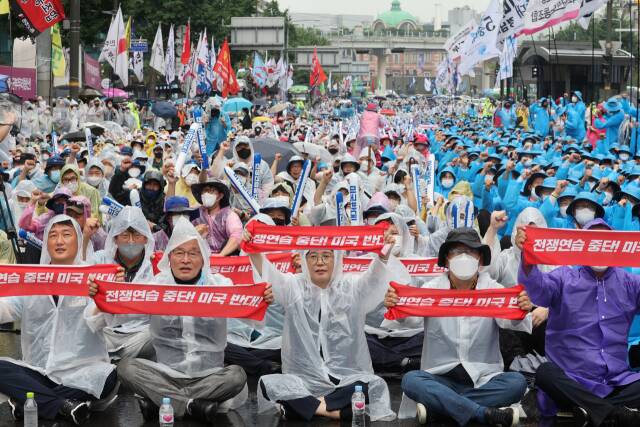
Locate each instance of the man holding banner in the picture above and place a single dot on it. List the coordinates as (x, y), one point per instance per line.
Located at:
(462, 374)
(65, 363)
(590, 312)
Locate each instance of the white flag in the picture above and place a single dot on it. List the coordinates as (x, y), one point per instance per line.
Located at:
(507, 57)
(170, 58)
(454, 45)
(540, 15)
(110, 48)
(122, 58)
(157, 53)
(137, 65)
(512, 19)
(481, 42)
(427, 84)
(587, 10)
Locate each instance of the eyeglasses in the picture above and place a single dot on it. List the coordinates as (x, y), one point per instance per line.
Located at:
(463, 250)
(314, 258)
(69, 180)
(180, 254)
(131, 235)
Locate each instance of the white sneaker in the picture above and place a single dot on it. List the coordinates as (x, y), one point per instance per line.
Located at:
(421, 415)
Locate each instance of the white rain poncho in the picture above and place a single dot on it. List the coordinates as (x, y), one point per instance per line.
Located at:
(56, 340)
(265, 177)
(120, 328)
(504, 267)
(324, 335)
(472, 342)
(241, 332)
(23, 189)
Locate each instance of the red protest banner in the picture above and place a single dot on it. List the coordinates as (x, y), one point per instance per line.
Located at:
(558, 246)
(270, 238)
(65, 280)
(38, 15)
(245, 302)
(415, 266)
(499, 303)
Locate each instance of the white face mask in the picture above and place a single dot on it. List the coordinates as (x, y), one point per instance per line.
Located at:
(447, 182)
(599, 268)
(396, 250)
(72, 186)
(23, 205)
(607, 198)
(191, 179)
(526, 162)
(176, 218)
(94, 181)
(284, 199)
(574, 99)
(624, 157)
(393, 204)
(134, 172)
(209, 199)
(563, 211)
(584, 215)
(463, 266)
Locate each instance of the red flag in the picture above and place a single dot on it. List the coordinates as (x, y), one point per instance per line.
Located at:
(186, 47)
(317, 76)
(225, 71)
(38, 15)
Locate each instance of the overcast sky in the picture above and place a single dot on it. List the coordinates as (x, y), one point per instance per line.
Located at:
(423, 9)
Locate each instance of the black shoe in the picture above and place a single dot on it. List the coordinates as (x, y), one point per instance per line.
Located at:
(506, 417)
(203, 410)
(625, 416)
(150, 411)
(16, 410)
(409, 364)
(580, 417)
(76, 412)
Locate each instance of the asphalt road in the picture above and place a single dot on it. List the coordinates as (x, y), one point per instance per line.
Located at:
(125, 413)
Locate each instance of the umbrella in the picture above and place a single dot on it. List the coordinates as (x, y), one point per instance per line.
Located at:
(379, 97)
(115, 92)
(261, 119)
(314, 150)
(277, 108)
(89, 92)
(387, 112)
(164, 109)
(268, 147)
(235, 105)
(74, 136)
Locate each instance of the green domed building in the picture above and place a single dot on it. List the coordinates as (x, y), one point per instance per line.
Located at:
(395, 19)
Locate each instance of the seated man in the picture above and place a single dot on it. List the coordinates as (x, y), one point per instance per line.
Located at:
(324, 347)
(65, 363)
(590, 313)
(462, 374)
(189, 350)
(130, 245)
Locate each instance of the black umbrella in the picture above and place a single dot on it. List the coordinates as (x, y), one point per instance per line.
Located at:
(268, 147)
(164, 109)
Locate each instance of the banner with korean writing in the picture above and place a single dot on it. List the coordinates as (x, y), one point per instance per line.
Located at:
(244, 302)
(38, 15)
(67, 280)
(557, 246)
(240, 271)
(498, 303)
(454, 45)
(22, 81)
(92, 75)
(419, 267)
(269, 238)
(543, 14)
(512, 18)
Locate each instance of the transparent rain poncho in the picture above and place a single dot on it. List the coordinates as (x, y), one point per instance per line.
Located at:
(56, 340)
(504, 267)
(129, 217)
(324, 335)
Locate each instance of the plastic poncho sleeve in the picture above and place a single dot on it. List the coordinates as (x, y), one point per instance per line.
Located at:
(372, 285)
(544, 289)
(10, 309)
(283, 284)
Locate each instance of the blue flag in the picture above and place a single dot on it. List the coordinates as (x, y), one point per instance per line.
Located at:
(259, 71)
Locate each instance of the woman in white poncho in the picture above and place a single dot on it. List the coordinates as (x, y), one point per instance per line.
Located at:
(324, 348)
(189, 351)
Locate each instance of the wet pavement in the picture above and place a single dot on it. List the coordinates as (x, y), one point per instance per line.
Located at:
(125, 413)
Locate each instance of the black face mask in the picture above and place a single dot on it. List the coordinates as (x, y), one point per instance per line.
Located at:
(336, 169)
(158, 154)
(333, 150)
(279, 221)
(244, 153)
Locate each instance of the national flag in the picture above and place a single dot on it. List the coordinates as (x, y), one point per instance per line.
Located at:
(317, 76)
(4, 7)
(157, 53)
(122, 58)
(58, 63)
(110, 48)
(259, 71)
(223, 68)
(170, 58)
(37, 15)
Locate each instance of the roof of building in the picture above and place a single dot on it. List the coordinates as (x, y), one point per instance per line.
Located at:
(396, 16)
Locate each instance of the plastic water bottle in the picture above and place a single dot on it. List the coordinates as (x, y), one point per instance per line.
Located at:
(166, 413)
(30, 411)
(358, 407)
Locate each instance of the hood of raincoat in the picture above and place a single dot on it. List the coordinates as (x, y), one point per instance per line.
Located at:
(243, 140)
(526, 217)
(184, 231)
(45, 257)
(132, 217)
(406, 249)
(337, 273)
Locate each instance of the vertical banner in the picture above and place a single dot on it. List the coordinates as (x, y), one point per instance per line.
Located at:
(339, 208)
(233, 179)
(89, 139)
(302, 183)
(354, 200)
(429, 177)
(38, 15)
(255, 175)
(415, 176)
